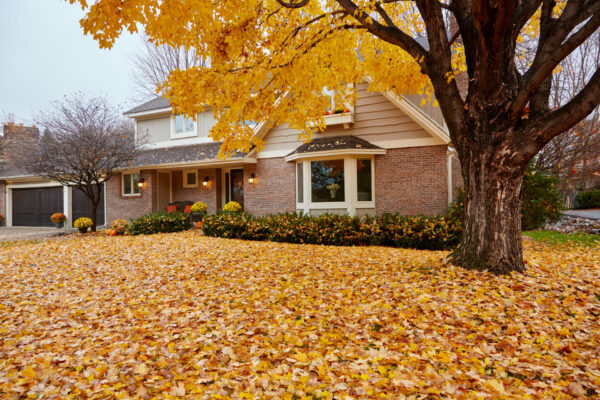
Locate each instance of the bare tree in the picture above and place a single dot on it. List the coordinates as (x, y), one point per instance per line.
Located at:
(84, 141)
(153, 64)
(574, 156)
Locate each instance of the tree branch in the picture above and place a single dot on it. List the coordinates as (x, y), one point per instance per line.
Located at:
(542, 69)
(392, 35)
(550, 125)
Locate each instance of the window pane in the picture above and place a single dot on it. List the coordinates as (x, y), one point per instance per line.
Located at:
(136, 180)
(327, 181)
(300, 183)
(191, 178)
(179, 124)
(189, 125)
(363, 179)
(127, 184)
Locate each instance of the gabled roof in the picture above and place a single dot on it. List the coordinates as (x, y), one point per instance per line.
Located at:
(334, 145)
(154, 104)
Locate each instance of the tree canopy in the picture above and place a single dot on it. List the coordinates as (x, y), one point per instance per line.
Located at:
(271, 59)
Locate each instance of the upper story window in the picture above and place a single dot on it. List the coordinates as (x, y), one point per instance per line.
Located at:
(182, 127)
(130, 184)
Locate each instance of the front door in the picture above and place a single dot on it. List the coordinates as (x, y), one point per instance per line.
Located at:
(164, 190)
(234, 181)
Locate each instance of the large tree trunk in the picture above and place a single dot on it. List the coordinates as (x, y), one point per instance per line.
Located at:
(492, 226)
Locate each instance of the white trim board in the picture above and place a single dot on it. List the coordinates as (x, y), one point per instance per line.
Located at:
(334, 153)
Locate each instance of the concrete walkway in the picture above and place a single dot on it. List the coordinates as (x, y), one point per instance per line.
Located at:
(28, 233)
(593, 213)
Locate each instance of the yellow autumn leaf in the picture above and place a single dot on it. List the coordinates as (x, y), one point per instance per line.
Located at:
(495, 386)
(28, 372)
(300, 356)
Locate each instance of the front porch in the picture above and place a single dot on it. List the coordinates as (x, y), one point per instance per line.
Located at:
(137, 192)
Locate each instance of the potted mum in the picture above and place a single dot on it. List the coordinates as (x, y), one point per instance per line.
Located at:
(119, 226)
(233, 207)
(82, 224)
(199, 210)
(58, 219)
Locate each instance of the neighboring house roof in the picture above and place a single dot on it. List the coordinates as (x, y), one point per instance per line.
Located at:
(7, 170)
(335, 145)
(154, 104)
(189, 154)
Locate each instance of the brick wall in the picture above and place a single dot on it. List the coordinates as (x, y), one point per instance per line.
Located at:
(412, 181)
(126, 207)
(206, 195)
(275, 187)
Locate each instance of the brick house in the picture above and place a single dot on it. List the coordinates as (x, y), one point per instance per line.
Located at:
(388, 154)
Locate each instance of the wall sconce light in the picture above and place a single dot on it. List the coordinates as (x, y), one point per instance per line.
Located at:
(252, 179)
(205, 182)
(141, 183)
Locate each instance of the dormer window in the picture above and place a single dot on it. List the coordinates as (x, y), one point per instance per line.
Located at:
(182, 127)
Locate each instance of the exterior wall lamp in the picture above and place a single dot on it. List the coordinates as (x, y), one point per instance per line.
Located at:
(252, 179)
(141, 183)
(205, 182)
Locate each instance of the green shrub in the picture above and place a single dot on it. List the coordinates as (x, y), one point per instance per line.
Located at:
(590, 199)
(434, 233)
(540, 201)
(160, 222)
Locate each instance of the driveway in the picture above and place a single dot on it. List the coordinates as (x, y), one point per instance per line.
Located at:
(27, 233)
(593, 213)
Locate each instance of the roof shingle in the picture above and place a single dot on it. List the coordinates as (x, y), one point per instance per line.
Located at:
(334, 143)
(154, 104)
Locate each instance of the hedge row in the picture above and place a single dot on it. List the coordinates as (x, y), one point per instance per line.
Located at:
(419, 232)
(590, 199)
(160, 222)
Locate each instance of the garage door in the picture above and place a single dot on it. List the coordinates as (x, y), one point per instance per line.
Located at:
(33, 207)
(82, 207)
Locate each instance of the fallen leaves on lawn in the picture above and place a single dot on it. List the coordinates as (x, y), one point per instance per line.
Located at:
(186, 316)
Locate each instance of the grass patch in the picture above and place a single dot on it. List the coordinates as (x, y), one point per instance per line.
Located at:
(558, 238)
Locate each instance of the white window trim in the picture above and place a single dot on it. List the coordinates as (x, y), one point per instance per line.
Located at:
(185, 134)
(186, 172)
(133, 194)
(351, 202)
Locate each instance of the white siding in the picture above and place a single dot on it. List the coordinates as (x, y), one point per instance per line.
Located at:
(158, 130)
(377, 120)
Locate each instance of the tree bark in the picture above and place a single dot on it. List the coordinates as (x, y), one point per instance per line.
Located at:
(492, 225)
(94, 215)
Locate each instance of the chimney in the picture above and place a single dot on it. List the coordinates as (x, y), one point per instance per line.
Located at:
(17, 132)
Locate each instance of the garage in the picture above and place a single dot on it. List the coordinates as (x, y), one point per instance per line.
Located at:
(34, 206)
(82, 207)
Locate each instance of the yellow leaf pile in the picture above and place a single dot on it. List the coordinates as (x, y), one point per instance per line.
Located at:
(186, 316)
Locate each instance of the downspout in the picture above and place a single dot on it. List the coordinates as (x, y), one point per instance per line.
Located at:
(449, 156)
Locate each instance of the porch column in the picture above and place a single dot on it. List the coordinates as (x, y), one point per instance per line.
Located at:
(68, 205)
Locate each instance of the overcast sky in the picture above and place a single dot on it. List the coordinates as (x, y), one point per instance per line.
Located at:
(45, 55)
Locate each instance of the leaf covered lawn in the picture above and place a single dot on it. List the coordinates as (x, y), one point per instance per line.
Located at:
(186, 316)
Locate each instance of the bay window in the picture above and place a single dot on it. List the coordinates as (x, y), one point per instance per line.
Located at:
(335, 184)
